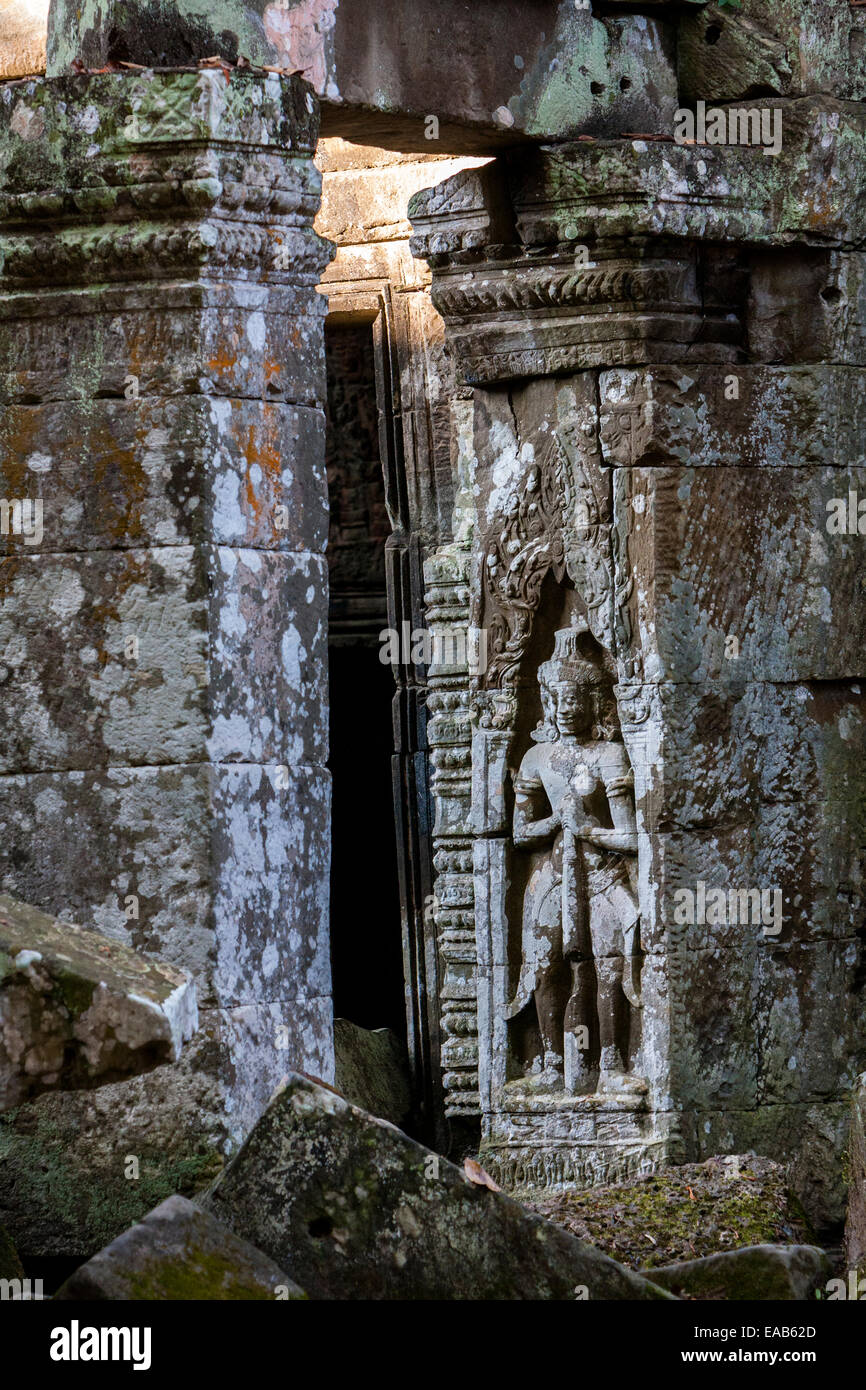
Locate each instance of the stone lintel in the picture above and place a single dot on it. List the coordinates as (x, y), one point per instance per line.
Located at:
(601, 253)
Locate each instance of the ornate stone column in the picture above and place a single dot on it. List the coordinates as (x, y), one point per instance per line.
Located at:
(452, 928)
(667, 353)
(163, 642)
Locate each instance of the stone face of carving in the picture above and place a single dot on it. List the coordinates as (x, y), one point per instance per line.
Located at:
(580, 929)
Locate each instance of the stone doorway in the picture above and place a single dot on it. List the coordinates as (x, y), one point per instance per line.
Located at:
(366, 952)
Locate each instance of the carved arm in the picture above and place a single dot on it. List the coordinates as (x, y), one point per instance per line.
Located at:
(530, 828)
(623, 836)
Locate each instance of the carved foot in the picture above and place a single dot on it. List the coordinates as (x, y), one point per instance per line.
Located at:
(549, 1077)
(614, 1080)
(620, 1083)
(578, 1073)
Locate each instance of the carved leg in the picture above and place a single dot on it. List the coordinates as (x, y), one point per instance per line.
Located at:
(609, 971)
(613, 1078)
(551, 996)
(578, 1028)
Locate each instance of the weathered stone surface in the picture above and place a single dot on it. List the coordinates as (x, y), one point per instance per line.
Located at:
(178, 1253)
(261, 857)
(727, 768)
(176, 653)
(764, 850)
(574, 265)
(77, 1009)
(161, 321)
(747, 416)
(585, 299)
(354, 199)
(370, 1070)
(65, 1181)
(486, 72)
(855, 1225)
(168, 472)
(365, 1212)
(758, 1273)
(767, 1031)
(687, 600)
(808, 306)
(680, 332)
(693, 1210)
(10, 1265)
(192, 340)
(787, 47)
(765, 748)
(67, 1186)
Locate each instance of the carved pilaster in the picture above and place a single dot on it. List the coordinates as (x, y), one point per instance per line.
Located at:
(449, 735)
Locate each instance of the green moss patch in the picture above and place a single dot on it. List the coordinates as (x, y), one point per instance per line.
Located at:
(78, 1210)
(684, 1213)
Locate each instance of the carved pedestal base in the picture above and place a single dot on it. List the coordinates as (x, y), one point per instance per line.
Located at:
(560, 1141)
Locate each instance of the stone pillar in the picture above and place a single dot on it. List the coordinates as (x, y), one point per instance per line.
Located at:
(449, 734)
(667, 352)
(163, 638)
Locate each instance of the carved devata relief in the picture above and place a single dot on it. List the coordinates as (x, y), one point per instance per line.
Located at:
(580, 940)
(554, 599)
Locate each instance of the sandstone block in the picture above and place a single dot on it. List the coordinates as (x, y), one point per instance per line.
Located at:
(365, 1212)
(855, 1226)
(77, 1009)
(781, 1273)
(371, 1071)
(178, 1253)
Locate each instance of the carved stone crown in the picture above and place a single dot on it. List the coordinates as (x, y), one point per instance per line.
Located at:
(569, 663)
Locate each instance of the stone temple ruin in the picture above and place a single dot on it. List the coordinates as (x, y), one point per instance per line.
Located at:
(432, 591)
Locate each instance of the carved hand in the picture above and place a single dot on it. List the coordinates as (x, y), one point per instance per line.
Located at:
(575, 819)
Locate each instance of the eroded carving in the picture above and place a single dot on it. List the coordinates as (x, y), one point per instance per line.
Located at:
(574, 813)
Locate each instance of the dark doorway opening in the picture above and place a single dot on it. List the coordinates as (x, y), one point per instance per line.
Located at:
(366, 934)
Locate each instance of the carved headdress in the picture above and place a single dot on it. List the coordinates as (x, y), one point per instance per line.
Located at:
(572, 661)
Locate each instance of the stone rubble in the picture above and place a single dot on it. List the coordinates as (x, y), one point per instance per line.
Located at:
(79, 1009)
(178, 1253)
(355, 1209)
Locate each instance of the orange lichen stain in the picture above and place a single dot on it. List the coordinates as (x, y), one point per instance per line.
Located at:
(134, 362)
(272, 370)
(20, 439)
(259, 445)
(223, 363)
(820, 208)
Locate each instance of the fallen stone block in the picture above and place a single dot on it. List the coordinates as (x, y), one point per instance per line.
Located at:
(357, 1210)
(179, 1253)
(756, 1274)
(855, 1225)
(371, 1070)
(78, 1009)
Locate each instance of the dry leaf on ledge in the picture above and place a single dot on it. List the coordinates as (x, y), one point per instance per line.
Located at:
(475, 1173)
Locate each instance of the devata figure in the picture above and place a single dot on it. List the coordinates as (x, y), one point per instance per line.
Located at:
(575, 799)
